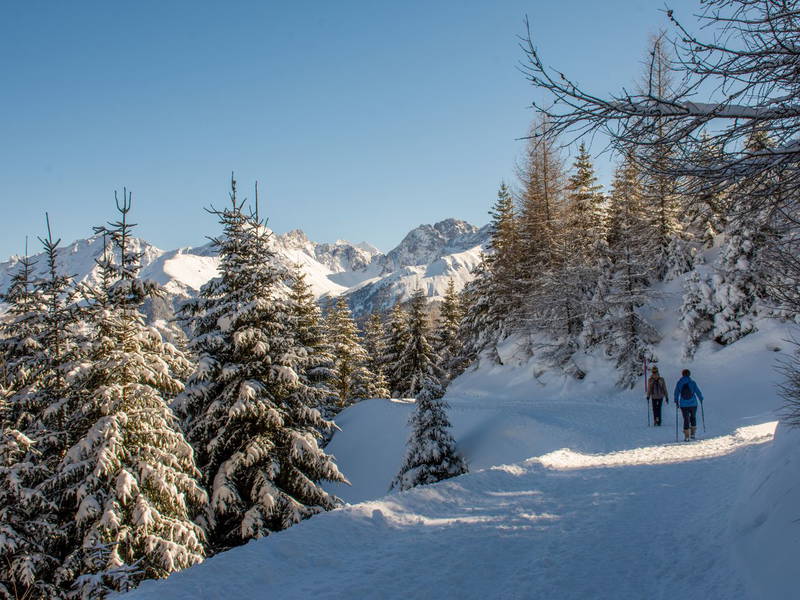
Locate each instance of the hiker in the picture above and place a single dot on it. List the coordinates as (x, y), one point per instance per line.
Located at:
(686, 395)
(657, 393)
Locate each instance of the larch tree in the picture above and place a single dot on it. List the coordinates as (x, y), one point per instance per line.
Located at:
(629, 337)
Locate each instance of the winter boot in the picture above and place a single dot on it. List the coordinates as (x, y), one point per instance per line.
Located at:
(685, 435)
(693, 430)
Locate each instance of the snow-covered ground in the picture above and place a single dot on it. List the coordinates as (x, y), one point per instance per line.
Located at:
(570, 495)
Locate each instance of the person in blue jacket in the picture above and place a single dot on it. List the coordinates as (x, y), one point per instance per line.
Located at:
(686, 395)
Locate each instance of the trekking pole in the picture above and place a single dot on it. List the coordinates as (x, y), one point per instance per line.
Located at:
(676, 418)
(646, 400)
(703, 415)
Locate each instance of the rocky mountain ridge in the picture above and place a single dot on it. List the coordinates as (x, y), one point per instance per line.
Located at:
(427, 258)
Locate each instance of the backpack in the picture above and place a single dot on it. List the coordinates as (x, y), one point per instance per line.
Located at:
(686, 392)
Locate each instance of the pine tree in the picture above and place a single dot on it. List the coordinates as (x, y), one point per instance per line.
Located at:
(374, 343)
(739, 279)
(130, 474)
(316, 368)
(38, 345)
(20, 341)
(697, 312)
(430, 454)
(478, 332)
(397, 336)
(504, 260)
(417, 363)
(246, 410)
(629, 337)
(26, 521)
(445, 338)
(351, 378)
(585, 206)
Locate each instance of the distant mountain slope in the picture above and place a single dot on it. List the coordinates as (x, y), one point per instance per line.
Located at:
(427, 257)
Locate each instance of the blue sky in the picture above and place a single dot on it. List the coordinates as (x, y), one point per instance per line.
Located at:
(360, 120)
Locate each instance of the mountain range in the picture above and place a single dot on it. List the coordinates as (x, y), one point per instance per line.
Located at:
(427, 258)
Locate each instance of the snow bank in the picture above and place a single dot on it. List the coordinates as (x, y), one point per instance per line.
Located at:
(766, 523)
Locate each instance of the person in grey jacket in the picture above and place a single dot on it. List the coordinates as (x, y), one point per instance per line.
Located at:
(686, 395)
(657, 393)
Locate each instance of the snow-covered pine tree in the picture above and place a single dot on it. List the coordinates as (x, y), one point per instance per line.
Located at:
(247, 412)
(629, 337)
(20, 341)
(431, 450)
(493, 299)
(446, 344)
(417, 363)
(374, 343)
(27, 523)
(585, 205)
(351, 379)
(129, 475)
(739, 279)
(697, 312)
(504, 260)
(316, 368)
(559, 304)
(397, 337)
(32, 440)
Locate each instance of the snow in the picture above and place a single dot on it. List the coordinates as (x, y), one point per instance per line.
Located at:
(570, 494)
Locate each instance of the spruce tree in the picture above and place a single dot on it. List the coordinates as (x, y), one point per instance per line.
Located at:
(585, 206)
(316, 359)
(739, 281)
(417, 362)
(478, 332)
(397, 336)
(374, 342)
(129, 475)
(247, 412)
(445, 338)
(351, 378)
(430, 454)
(38, 343)
(27, 525)
(697, 312)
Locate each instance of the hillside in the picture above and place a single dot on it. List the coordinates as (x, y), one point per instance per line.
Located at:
(570, 494)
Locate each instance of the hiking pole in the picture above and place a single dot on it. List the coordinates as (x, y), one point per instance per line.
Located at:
(646, 399)
(703, 415)
(676, 419)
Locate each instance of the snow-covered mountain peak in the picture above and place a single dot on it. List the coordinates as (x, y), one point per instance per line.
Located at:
(426, 243)
(428, 257)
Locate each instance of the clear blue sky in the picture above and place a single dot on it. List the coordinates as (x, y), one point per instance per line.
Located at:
(360, 120)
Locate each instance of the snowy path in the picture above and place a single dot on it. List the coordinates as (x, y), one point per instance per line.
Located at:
(650, 522)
